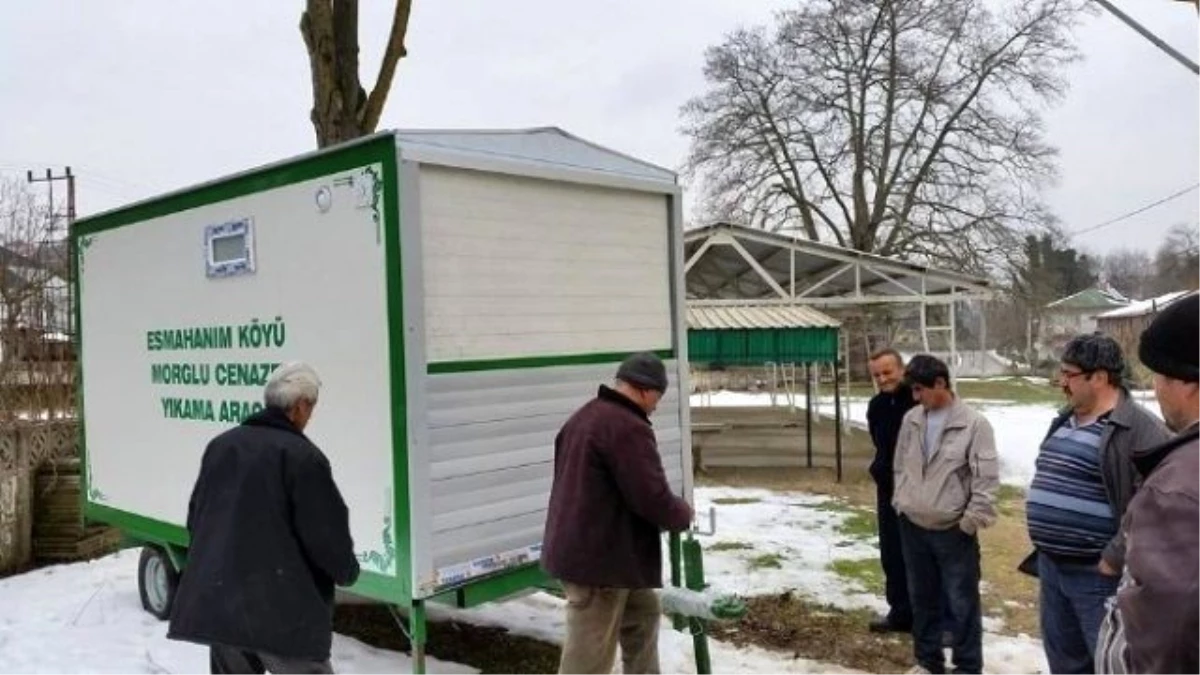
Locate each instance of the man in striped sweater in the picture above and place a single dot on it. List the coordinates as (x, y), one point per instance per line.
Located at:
(1084, 480)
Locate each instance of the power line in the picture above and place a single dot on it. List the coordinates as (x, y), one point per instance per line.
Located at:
(1131, 214)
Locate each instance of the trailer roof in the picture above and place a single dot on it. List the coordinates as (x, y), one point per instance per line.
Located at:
(547, 152)
(545, 147)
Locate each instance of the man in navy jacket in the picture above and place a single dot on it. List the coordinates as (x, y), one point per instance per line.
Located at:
(270, 541)
(884, 415)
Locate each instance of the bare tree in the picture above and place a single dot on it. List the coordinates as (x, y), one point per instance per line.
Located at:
(900, 127)
(342, 109)
(34, 305)
(1177, 261)
(1130, 271)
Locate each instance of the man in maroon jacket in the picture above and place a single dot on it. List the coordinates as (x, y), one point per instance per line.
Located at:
(609, 504)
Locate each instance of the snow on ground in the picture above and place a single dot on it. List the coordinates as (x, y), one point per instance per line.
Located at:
(543, 616)
(1019, 427)
(792, 525)
(87, 618)
(802, 529)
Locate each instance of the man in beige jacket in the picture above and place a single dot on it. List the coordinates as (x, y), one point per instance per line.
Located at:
(946, 480)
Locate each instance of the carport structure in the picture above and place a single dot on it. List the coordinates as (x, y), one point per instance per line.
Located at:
(776, 337)
(733, 265)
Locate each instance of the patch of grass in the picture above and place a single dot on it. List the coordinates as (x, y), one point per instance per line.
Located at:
(766, 560)
(728, 501)
(832, 506)
(860, 524)
(730, 546)
(1014, 389)
(866, 573)
(1009, 498)
(805, 629)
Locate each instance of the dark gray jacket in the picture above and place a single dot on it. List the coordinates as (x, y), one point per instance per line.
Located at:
(1130, 428)
(1152, 622)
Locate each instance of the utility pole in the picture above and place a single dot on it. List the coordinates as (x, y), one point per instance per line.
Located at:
(50, 179)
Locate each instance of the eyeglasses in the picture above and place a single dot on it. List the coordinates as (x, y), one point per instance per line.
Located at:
(1071, 374)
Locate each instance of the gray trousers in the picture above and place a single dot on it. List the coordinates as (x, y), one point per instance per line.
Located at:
(223, 659)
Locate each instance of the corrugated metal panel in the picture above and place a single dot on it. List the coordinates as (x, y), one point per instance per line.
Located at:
(491, 437)
(762, 345)
(549, 146)
(754, 317)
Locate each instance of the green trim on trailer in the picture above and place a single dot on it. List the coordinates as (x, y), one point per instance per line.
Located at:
(379, 587)
(352, 155)
(401, 507)
(444, 367)
(143, 529)
(175, 540)
(377, 149)
(496, 587)
(84, 473)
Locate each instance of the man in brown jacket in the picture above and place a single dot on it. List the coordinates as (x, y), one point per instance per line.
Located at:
(1153, 621)
(946, 480)
(609, 503)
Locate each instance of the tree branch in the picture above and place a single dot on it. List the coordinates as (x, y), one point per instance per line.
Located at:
(395, 51)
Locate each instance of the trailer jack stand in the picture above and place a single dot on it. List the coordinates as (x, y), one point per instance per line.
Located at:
(687, 566)
(415, 631)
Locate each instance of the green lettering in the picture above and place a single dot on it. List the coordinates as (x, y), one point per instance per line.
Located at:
(188, 409)
(203, 337)
(237, 411)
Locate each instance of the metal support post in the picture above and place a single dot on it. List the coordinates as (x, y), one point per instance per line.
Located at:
(416, 620)
(694, 573)
(808, 408)
(837, 404)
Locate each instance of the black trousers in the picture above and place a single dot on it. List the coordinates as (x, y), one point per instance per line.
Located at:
(223, 659)
(943, 569)
(891, 557)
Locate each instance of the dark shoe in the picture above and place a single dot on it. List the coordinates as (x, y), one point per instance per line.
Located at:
(882, 625)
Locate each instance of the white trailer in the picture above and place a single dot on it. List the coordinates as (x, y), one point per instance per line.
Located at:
(460, 294)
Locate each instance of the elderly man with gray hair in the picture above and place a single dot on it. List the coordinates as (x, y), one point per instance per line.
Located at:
(270, 540)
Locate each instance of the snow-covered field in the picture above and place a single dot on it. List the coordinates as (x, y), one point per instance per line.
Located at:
(87, 617)
(1019, 427)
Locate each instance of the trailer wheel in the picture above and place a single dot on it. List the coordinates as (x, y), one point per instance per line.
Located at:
(157, 581)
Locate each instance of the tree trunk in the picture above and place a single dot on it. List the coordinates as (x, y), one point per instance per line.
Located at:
(342, 110)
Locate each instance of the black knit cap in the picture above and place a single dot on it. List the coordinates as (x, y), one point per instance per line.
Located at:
(644, 370)
(1169, 345)
(1094, 352)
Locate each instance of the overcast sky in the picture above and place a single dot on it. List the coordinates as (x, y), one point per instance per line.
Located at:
(143, 96)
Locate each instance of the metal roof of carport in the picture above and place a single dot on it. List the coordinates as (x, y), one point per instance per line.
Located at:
(758, 317)
(733, 264)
